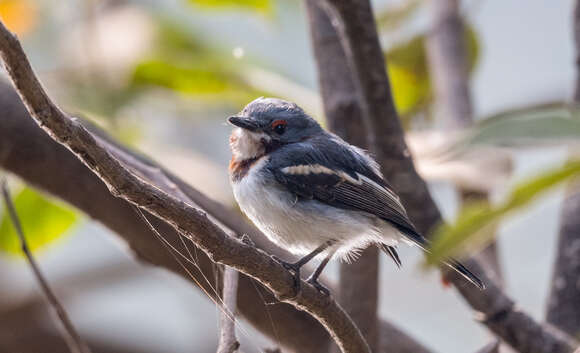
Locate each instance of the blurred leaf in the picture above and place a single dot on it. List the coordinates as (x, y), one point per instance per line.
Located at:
(472, 47)
(19, 16)
(196, 80)
(409, 76)
(409, 72)
(174, 40)
(43, 221)
(475, 218)
(184, 64)
(553, 122)
(264, 6)
(392, 17)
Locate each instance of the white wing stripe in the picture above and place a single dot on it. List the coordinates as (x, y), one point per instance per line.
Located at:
(306, 169)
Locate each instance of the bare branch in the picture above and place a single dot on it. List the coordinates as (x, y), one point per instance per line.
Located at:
(355, 24)
(448, 63)
(564, 300)
(228, 342)
(71, 336)
(576, 33)
(358, 285)
(563, 303)
(187, 220)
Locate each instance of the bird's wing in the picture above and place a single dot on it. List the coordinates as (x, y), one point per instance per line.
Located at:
(344, 178)
(338, 178)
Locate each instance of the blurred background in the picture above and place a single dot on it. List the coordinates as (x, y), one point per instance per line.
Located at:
(161, 76)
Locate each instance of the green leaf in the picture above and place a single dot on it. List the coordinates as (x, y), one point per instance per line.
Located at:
(475, 218)
(552, 122)
(43, 221)
(201, 80)
(263, 6)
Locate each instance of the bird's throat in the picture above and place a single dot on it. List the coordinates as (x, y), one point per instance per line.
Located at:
(239, 168)
(246, 144)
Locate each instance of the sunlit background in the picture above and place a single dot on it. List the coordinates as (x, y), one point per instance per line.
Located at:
(161, 76)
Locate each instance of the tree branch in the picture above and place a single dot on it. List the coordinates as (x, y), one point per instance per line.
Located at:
(564, 299)
(71, 336)
(187, 220)
(228, 342)
(448, 63)
(358, 284)
(356, 26)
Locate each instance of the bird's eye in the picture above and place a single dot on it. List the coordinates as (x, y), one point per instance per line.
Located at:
(279, 126)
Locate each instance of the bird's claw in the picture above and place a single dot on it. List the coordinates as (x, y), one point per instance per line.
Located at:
(322, 289)
(292, 268)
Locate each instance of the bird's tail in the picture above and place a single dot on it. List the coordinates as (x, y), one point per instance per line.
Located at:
(423, 243)
(462, 270)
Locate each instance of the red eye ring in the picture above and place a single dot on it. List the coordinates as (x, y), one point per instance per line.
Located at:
(279, 126)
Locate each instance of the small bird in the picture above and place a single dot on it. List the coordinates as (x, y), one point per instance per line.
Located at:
(312, 193)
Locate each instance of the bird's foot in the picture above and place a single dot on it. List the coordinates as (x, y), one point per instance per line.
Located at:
(314, 282)
(293, 268)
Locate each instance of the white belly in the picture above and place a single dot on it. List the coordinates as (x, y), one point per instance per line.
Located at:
(301, 226)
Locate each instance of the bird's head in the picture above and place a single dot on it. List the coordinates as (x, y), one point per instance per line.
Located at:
(267, 124)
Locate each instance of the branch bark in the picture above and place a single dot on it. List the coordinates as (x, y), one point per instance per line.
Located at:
(564, 299)
(355, 24)
(185, 219)
(448, 63)
(228, 342)
(358, 284)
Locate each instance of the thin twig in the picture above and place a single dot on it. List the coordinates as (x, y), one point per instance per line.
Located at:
(70, 335)
(228, 342)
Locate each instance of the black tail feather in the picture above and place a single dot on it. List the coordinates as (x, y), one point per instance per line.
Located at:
(423, 243)
(392, 252)
(462, 270)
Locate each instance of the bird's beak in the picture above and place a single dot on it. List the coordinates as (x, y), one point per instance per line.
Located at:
(244, 122)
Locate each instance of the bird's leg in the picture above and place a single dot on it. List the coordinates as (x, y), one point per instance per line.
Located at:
(313, 279)
(294, 268)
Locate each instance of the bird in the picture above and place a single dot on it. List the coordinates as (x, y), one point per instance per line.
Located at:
(314, 194)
